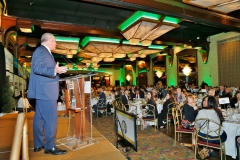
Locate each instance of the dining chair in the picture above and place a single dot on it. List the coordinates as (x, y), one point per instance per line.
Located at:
(169, 113)
(178, 128)
(203, 141)
(148, 114)
(101, 106)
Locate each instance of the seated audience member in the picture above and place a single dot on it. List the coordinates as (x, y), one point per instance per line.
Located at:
(117, 97)
(150, 114)
(101, 102)
(125, 99)
(154, 94)
(211, 92)
(235, 101)
(94, 93)
(190, 111)
(169, 99)
(142, 92)
(187, 87)
(136, 95)
(178, 96)
(23, 103)
(228, 93)
(184, 97)
(221, 92)
(107, 92)
(210, 111)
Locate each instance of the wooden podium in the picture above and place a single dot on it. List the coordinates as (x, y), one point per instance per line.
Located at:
(79, 114)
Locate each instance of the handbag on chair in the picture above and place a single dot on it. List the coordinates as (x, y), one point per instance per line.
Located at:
(205, 152)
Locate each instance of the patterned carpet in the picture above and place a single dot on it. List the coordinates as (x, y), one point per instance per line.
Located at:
(151, 145)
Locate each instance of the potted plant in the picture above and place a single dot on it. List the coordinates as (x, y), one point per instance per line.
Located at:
(8, 99)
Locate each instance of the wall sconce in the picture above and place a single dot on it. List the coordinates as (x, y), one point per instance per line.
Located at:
(204, 54)
(128, 77)
(159, 73)
(26, 28)
(187, 70)
(69, 56)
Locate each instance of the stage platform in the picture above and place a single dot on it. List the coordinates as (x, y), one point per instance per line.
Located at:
(101, 150)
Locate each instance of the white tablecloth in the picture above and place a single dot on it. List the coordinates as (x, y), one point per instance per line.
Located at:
(139, 112)
(95, 100)
(232, 129)
(61, 107)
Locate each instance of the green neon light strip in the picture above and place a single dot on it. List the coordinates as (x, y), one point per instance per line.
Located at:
(127, 42)
(67, 39)
(171, 20)
(156, 47)
(87, 39)
(136, 16)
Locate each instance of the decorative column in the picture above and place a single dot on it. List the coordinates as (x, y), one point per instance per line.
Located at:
(150, 73)
(123, 76)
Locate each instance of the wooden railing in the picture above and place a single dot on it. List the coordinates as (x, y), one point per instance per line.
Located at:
(20, 137)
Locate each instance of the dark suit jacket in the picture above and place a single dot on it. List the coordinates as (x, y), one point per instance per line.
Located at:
(165, 107)
(124, 99)
(43, 83)
(233, 101)
(135, 96)
(141, 94)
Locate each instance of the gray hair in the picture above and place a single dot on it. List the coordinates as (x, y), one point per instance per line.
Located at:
(46, 37)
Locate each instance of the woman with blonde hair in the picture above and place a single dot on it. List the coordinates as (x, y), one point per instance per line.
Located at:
(190, 111)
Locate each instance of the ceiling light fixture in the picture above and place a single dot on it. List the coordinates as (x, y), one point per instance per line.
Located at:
(159, 73)
(128, 77)
(26, 28)
(187, 70)
(69, 56)
(132, 58)
(108, 59)
(145, 27)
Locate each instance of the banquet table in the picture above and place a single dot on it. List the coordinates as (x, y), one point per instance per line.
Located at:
(61, 107)
(232, 128)
(139, 112)
(95, 100)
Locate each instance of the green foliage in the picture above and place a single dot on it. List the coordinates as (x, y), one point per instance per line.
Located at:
(8, 99)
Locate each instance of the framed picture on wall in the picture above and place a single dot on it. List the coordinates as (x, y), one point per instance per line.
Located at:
(8, 60)
(11, 79)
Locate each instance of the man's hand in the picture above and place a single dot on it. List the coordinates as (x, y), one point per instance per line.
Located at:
(60, 70)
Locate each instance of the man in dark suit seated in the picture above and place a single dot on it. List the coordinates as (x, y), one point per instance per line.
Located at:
(101, 102)
(136, 95)
(221, 92)
(125, 99)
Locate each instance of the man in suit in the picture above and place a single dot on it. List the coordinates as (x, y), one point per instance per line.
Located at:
(178, 96)
(125, 99)
(136, 95)
(221, 91)
(101, 102)
(44, 87)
